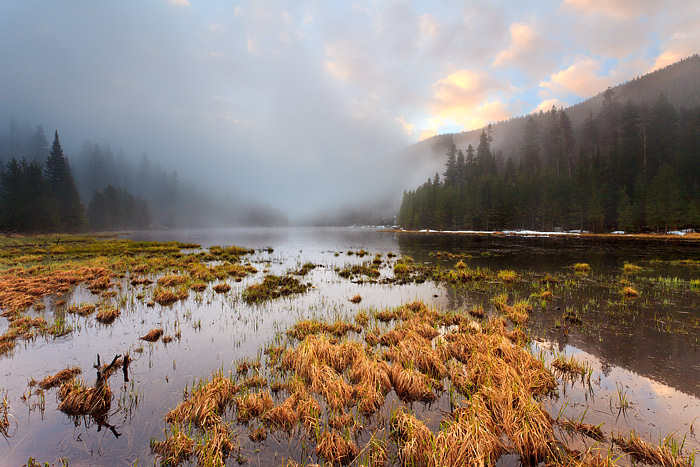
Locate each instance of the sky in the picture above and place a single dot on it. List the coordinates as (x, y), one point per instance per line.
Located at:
(304, 104)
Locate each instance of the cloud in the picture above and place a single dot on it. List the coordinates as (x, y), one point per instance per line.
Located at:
(581, 79)
(529, 51)
(546, 105)
(407, 127)
(683, 39)
(180, 2)
(618, 9)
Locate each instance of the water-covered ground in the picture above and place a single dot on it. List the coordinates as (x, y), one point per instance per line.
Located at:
(643, 352)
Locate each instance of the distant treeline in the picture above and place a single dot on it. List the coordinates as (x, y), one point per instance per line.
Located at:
(118, 191)
(630, 167)
(34, 198)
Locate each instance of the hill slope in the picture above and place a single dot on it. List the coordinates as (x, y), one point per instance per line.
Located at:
(680, 82)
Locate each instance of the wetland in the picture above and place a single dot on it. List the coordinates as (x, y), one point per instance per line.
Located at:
(348, 346)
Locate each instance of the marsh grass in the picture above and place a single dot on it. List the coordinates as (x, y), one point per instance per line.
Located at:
(222, 288)
(59, 378)
(79, 399)
(665, 455)
(107, 314)
(273, 287)
(206, 402)
(153, 335)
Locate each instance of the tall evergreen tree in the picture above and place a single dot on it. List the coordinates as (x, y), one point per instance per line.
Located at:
(68, 208)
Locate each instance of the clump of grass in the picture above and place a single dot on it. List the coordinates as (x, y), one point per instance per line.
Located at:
(274, 287)
(207, 400)
(367, 270)
(222, 288)
(82, 310)
(507, 275)
(215, 447)
(629, 292)
(59, 378)
(630, 268)
(78, 399)
(582, 267)
(253, 405)
(107, 314)
(171, 280)
(335, 449)
(477, 311)
(165, 297)
(177, 448)
(570, 366)
(152, 335)
(592, 431)
(518, 313)
(304, 270)
(644, 452)
(356, 299)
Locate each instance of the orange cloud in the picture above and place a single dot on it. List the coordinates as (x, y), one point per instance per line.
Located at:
(546, 105)
(581, 78)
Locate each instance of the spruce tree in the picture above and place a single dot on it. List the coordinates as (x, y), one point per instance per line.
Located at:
(68, 208)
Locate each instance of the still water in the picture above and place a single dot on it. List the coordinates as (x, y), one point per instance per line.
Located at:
(646, 351)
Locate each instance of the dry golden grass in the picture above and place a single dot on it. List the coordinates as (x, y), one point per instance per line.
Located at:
(152, 335)
(477, 311)
(206, 402)
(335, 449)
(412, 385)
(253, 405)
(644, 452)
(284, 416)
(417, 351)
(592, 431)
(222, 288)
(518, 312)
(171, 280)
(78, 399)
(215, 447)
(83, 310)
(59, 378)
(355, 299)
(107, 314)
(340, 421)
(629, 292)
(167, 297)
(177, 447)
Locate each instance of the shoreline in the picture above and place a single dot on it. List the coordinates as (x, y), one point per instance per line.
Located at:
(689, 237)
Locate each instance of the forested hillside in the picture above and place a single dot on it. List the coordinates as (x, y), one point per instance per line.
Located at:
(632, 165)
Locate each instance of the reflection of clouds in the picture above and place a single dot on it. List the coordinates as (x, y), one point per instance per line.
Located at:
(656, 409)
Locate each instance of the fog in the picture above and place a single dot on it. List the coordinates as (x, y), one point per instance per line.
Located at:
(234, 106)
(307, 107)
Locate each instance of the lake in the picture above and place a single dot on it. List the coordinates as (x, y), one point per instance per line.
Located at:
(643, 353)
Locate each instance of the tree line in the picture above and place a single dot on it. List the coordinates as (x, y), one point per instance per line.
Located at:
(34, 198)
(631, 167)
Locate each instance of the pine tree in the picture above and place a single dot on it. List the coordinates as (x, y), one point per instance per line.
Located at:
(68, 208)
(530, 160)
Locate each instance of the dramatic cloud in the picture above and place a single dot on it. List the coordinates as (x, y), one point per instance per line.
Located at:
(298, 104)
